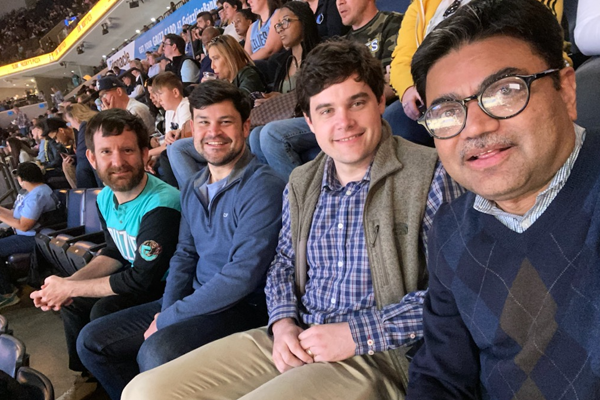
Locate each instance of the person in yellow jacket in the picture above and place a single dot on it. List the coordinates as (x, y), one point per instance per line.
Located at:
(420, 19)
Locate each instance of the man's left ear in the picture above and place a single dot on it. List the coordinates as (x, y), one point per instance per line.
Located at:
(382, 104)
(246, 128)
(145, 155)
(568, 90)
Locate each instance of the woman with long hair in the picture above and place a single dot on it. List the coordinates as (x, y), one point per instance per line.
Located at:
(299, 34)
(262, 41)
(232, 63)
(78, 115)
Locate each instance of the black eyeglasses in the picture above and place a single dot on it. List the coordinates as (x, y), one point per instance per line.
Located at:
(167, 44)
(503, 98)
(284, 24)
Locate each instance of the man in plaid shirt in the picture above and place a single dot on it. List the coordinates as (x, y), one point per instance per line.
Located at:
(345, 290)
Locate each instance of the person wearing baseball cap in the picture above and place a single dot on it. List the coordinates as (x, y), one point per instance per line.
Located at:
(113, 93)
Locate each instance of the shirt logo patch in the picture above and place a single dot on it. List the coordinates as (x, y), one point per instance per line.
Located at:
(373, 45)
(225, 215)
(149, 250)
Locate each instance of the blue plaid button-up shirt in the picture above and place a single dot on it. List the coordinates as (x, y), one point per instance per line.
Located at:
(339, 287)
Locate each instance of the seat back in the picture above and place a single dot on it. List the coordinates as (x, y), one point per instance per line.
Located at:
(393, 5)
(91, 217)
(12, 354)
(75, 207)
(38, 385)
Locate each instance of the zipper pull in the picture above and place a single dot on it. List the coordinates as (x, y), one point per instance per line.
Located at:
(375, 234)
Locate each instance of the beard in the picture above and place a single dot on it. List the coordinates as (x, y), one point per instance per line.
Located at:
(125, 183)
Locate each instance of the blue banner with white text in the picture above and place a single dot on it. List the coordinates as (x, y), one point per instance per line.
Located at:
(173, 23)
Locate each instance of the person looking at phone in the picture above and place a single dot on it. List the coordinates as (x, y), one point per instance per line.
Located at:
(23, 219)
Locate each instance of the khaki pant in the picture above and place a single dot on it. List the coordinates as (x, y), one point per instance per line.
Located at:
(240, 366)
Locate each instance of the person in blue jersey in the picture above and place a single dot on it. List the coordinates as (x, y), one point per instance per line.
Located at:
(231, 216)
(513, 309)
(140, 217)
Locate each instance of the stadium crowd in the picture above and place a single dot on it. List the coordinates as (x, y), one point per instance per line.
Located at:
(22, 29)
(334, 191)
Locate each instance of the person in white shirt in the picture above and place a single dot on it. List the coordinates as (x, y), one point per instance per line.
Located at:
(169, 90)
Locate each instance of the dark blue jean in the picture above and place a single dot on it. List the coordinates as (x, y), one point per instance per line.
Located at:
(14, 244)
(113, 348)
(403, 126)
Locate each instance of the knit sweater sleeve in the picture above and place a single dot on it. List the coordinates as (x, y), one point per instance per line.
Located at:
(447, 365)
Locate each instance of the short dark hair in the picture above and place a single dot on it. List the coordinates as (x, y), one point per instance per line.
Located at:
(112, 123)
(217, 91)
(247, 13)
(30, 172)
(205, 15)
(178, 41)
(526, 20)
(333, 62)
(237, 4)
(53, 125)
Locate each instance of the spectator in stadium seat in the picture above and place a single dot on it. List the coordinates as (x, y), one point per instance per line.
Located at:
(231, 63)
(262, 41)
(169, 90)
(230, 8)
(133, 86)
(52, 163)
(19, 150)
(113, 94)
(242, 21)
(57, 97)
(328, 18)
(23, 219)
(22, 121)
(299, 34)
(231, 218)
(186, 68)
(37, 131)
(208, 34)
(78, 116)
(340, 311)
(140, 217)
(204, 19)
(283, 142)
(154, 64)
(514, 266)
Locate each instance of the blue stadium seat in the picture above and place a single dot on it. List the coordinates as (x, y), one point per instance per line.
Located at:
(92, 232)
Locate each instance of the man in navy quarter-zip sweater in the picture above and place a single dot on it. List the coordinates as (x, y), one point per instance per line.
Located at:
(513, 309)
(231, 216)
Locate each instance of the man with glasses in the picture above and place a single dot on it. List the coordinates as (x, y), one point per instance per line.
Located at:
(514, 267)
(185, 67)
(113, 94)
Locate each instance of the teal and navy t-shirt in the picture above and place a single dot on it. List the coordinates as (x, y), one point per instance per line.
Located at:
(142, 234)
